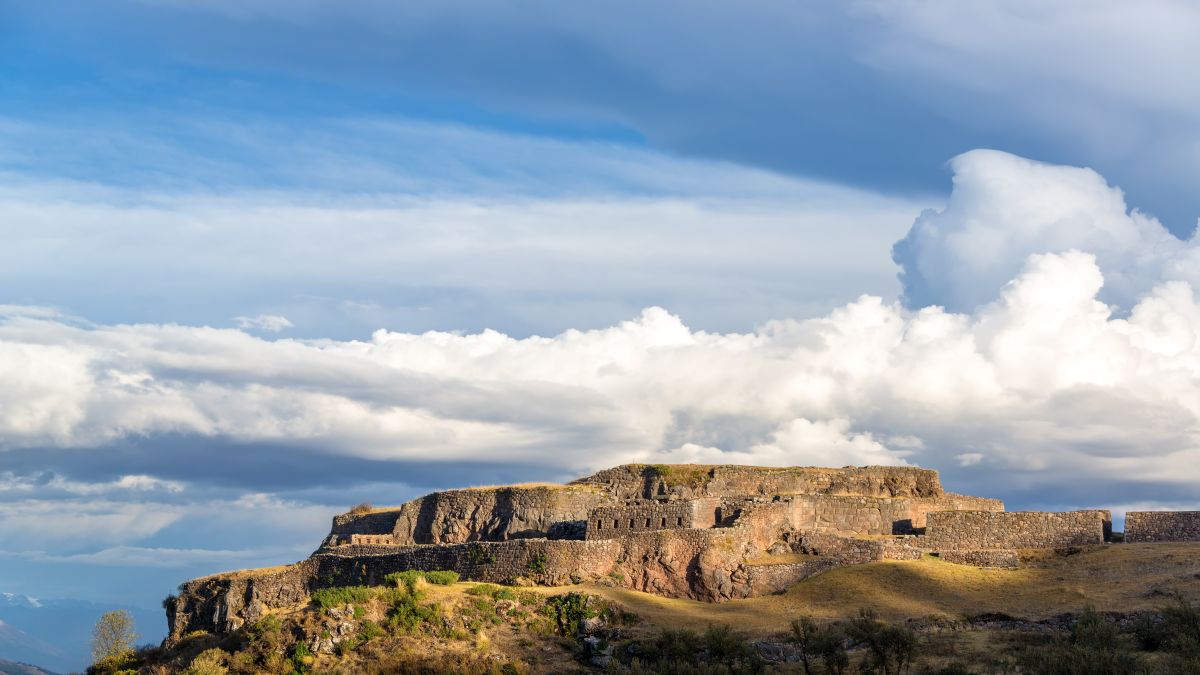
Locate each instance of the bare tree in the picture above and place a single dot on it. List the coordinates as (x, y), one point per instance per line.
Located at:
(113, 635)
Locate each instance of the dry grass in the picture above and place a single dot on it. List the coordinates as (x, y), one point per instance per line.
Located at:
(1120, 577)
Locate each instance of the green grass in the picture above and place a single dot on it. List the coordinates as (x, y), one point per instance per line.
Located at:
(343, 595)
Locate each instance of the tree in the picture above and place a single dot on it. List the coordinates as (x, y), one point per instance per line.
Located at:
(113, 635)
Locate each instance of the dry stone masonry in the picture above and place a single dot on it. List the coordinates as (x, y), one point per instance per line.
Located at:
(1142, 526)
(703, 532)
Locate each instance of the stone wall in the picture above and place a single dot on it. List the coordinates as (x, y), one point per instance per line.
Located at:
(640, 481)
(458, 516)
(973, 530)
(1143, 526)
(606, 522)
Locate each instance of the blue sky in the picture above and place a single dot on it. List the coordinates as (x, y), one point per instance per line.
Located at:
(266, 259)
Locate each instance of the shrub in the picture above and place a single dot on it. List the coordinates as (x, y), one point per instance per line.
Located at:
(362, 508)
(407, 578)
(301, 656)
(407, 614)
(537, 564)
(569, 611)
(890, 649)
(718, 650)
(442, 577)
(370, 630)
(826, 645)
(341, 595)
(208, 662)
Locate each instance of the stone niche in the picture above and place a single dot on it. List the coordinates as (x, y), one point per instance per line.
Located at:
(606, 522)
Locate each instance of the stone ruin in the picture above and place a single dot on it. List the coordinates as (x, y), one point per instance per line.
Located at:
(710, 533)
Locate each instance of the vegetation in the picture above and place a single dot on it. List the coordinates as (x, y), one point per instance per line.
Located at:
(112, 639)
(342, 595)
(362, 508)
(692, 476)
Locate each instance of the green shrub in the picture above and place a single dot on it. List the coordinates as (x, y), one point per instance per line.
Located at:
(890, 649)
(301, 657)
(342, 595)
(718, 650)
(208, 662)
(370, 630)
(407, 614)
(442, 577)
(537, 564)
(407, 579)
(569, 611)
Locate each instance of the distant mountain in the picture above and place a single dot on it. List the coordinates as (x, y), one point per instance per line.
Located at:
(17, 668)
(57, 633)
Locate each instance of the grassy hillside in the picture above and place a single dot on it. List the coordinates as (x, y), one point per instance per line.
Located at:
(928, 607)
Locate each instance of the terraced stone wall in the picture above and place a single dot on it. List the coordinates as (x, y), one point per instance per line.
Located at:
(974, 530)
(1142, 526)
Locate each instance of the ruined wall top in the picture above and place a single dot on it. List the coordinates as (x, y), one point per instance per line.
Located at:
(648, 481)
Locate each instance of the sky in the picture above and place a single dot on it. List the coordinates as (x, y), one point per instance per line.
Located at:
(266, 259)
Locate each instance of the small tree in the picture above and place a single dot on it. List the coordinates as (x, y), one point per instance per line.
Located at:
(113, 635)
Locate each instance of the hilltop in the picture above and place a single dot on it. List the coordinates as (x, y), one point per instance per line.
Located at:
(679, 546)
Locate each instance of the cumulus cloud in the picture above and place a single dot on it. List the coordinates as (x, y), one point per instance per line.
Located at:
(1005, 208)
(1043, 384)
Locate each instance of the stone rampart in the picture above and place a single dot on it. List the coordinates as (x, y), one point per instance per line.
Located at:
(1142, 526)
(545, 561)
(499, 514)
(974, 530)
(641, 481)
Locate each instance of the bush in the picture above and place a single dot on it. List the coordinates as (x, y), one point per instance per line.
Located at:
(569, 611)
(537, 564)
(407, 579)
(442, 577)
(208, 662)
(718, 650)
(370, 630)
(890, 649)
(816, 644)
(362, 508)
(342, 595)
(407, 614)
(301, 656)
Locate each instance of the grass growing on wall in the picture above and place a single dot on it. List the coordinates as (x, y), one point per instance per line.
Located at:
(688, 475)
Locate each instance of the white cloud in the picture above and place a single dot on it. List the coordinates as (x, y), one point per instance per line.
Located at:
(1005, 208)
(270, 323)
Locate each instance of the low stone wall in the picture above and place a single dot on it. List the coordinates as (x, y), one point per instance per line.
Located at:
(769, 579)
(975, 530)
(1142, 526)
(1002, 558)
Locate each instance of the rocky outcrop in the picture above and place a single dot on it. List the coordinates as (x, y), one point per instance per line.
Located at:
(226, 602)
(493, 514)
